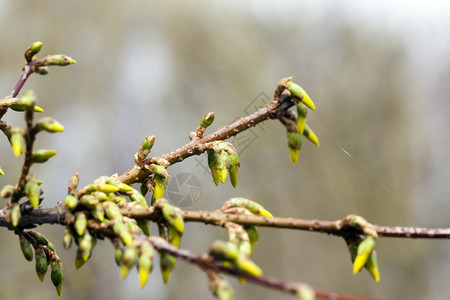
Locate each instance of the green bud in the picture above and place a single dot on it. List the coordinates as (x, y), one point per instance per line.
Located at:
(174, 236)
(166, 262)
(144, 225)
(145, 148)
(128, 260)
(41, 263)
(136, 196)
(299, 94)
(98, 212)
(16, 141)
(310, 135)
(173, 216)
(67, 238)
(248, 266)
(1, 171)
(213, 166)
(234, 167)
(58, 60)
(41, 70)
(25, 246)
(104, 187)
(159, 170)
(7, 191)
(222, 250)
(57, 276)
(51, 246)
(112, 211)
(245, 249)
(302, 112)
(133, 228)
(33, 50)
(80, 224)
(21, 104)
(253, 235)
(28, 99)
(86, 243)
(33, 191)
(144, 189)
(43, 155)
(145, 262)
(49, 125)
(372, 266)
(39, 238)
(15, 215)
(160, 185)
(223, 164)
(364, 250)
(121, 229)
(79, 260)
(148, 142)
(89, 200)
(71, 201)
(207, 119)
(252, 206)
(294, 143)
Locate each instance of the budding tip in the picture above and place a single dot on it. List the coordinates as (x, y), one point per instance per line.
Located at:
(265, 213)
(38, 109)
(1, 172)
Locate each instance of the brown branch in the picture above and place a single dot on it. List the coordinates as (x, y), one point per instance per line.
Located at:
(205, 262)
(30, 137)
(196, 146)
(56, 215)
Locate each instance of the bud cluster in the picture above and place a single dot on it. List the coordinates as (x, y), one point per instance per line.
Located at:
(223, 159)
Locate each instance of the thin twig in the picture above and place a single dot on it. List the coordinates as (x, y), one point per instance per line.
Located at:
(56, 215)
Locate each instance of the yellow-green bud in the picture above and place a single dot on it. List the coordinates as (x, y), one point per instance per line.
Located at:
(302, 112)
(299, 94)
(7, 191)
(364, 250)
(57, 276)
(234, 168)
(310, 135)
(212, 162)
(294, 143)
(67, 238)
(372, 266)
(173, 216)
(128, 260)
(16, 141)
(223, 164)
(166, 262)
(49, 125)
(58, 60)
(121, 229)
(80, 224)
(222, 250)
(15, 215)
(33, 191)
(42, 155)
(71, 201)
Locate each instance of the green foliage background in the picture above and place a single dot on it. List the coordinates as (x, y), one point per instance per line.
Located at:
(378, 73)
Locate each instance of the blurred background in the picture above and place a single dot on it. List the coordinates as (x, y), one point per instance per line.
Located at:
(378, 72)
